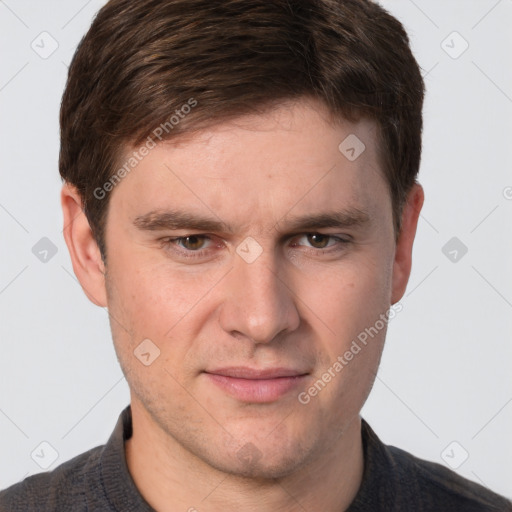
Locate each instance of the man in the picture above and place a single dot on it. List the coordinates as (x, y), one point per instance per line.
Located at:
(240, 192)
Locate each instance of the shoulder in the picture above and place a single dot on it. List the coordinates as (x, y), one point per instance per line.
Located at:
(395, 480)
(439, 488)
(60, 489)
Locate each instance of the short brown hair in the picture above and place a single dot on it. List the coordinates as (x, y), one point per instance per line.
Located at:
(143, 60)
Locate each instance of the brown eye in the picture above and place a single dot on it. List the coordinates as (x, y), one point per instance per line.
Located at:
(193, 242)
(318, 241)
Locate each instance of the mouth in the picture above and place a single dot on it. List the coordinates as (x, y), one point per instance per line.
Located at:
(256, 385)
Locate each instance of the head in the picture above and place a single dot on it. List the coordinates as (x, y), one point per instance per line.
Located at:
(240, 190)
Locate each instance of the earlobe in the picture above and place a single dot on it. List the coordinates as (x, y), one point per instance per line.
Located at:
(403, 252)
(83, 249)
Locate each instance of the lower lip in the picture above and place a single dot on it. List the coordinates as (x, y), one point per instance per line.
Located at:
(257, 390)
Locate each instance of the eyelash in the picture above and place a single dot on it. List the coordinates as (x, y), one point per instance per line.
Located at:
(171, 242)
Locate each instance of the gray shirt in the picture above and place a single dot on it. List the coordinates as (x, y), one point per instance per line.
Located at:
(393, 480)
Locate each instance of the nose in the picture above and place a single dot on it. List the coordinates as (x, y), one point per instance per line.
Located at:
(258, 303)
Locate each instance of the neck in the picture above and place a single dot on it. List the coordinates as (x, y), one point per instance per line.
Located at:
(171, 478)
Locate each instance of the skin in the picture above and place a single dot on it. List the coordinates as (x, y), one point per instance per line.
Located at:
(300, 305)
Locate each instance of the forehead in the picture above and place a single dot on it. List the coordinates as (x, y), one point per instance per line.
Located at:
(261, 167)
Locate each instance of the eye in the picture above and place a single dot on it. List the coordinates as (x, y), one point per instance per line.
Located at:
(189, 246)
(192, 242)
(320, 240)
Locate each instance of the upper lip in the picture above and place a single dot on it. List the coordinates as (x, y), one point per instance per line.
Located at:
(244, 372)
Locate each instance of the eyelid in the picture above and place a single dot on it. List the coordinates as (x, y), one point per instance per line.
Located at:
(173, 240)
(170, 243)
(343, 239)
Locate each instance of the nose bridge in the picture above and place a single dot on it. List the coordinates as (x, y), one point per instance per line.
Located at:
(258, 304)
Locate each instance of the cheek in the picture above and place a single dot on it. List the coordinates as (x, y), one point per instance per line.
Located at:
(155, 301)
(353, 307)
(349, 298)
(152, 303)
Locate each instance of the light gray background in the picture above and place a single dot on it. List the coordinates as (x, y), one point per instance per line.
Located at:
(445, 374)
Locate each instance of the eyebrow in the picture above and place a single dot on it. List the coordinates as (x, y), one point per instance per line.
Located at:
(160, 220)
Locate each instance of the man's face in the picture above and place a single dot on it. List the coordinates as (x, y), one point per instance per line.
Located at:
(222, 307)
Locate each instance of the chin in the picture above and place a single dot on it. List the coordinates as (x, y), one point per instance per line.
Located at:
(263, 470)
(264, 462)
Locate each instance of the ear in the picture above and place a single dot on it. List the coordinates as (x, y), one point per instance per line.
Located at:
(83, 249)
(403, 251)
